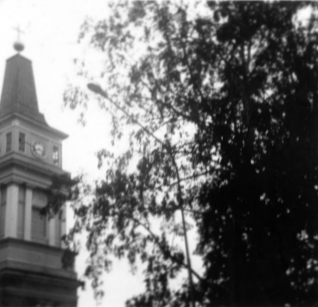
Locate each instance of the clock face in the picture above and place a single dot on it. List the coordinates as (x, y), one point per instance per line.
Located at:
(38, 149)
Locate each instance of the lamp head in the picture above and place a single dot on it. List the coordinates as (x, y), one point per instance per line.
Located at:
(95, 88)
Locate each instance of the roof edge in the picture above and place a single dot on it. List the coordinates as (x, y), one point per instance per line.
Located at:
(57, 132)
(18, 55)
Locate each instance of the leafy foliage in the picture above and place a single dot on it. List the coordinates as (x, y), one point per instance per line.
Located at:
(220, 104)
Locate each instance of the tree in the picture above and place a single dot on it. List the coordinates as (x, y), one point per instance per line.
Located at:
(220, 104)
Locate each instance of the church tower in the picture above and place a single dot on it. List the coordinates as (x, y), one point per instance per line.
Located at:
(31, 272)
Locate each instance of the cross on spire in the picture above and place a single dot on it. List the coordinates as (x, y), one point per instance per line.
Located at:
(19, 31)
(18, 46)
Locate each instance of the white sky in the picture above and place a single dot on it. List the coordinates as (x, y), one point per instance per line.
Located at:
(51, 30)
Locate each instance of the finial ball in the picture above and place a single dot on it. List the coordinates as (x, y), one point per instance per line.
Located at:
(18, 46)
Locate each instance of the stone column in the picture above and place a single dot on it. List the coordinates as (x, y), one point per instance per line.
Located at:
(3, 203)
(28, 214)
(57, 220)
(11, 211)
(51, 231)
(63, 225)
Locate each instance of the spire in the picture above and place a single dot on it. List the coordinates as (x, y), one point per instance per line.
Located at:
(18, 91)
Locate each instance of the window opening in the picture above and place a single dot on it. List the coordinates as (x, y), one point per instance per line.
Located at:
(39, 220)
(9, 142)
(55, 155)
(21, 142)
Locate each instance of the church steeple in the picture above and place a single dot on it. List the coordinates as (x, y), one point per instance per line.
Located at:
(31, 246)
(18, 92)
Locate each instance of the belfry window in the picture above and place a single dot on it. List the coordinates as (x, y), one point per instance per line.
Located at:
(21, 142)
(39, 220)
(38, 225)
(9, 142)
(56, 155)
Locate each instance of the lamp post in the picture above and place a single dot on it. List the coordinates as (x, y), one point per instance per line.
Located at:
(95, 88)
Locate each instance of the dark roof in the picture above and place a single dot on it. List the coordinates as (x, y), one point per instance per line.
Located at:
(18, 91)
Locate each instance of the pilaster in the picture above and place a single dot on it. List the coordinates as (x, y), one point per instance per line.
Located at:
(51, 231)
(11, 211)
(28, 214)
(63, 225)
